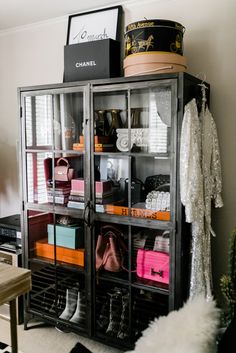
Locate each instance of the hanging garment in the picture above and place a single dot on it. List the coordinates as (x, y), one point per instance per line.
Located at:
(200, 184)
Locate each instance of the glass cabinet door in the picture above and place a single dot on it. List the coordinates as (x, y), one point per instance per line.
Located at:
(53, 124)
(134, 140)
(53, 163)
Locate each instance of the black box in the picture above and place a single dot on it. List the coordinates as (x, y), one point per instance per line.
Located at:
(92, 60)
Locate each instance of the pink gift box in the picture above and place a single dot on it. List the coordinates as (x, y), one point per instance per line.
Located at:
(102, 187)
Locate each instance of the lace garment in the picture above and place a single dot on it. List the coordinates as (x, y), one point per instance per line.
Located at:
(200, 184)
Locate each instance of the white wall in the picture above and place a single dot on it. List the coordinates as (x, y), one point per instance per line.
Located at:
(34, 55)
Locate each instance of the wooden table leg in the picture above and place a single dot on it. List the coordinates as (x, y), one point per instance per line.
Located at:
(13, 323)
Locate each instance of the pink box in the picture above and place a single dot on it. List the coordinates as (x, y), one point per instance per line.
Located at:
(102, 187)
(77, 185)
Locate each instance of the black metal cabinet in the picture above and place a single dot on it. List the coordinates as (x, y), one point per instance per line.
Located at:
(121, 138)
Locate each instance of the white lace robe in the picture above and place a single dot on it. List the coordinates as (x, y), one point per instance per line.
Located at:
(200, 183)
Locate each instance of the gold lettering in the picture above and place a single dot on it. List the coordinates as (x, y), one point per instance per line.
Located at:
(124, 212)
(136, 25)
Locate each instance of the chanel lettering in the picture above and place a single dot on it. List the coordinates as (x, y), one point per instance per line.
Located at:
(85, 63)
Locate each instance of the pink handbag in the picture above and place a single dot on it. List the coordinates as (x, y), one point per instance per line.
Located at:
(153, 265)
(110, 250)
(63, 172)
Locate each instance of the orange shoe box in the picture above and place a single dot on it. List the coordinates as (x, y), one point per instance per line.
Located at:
(70, 256)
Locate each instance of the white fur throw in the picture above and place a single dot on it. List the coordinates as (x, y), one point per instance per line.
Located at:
(191, 329)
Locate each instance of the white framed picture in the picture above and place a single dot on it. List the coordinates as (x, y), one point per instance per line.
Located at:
(94, 25)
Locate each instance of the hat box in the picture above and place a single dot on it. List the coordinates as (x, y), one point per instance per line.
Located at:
(154, 46)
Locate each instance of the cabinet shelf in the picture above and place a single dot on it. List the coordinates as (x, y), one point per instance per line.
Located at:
(131, 154)
(119, 277)
(151, 286)
(133, 221)
(45, 261)
(50, 208)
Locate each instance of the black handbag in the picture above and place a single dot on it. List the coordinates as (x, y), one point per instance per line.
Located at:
(154, 182)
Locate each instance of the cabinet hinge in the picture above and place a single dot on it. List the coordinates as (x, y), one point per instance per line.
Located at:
(21, 112)
(23, 206)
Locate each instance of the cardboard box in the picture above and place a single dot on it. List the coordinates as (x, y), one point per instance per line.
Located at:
(69, 237)
(70, 256)
(92, 60)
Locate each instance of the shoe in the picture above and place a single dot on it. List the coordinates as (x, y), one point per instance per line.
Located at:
(79, 314)
(103, 319)
(71, 302)
(124, 319)
(115, 309)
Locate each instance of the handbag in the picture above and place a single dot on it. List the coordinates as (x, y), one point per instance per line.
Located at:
(110, 249)
(153, 265)
(162, 242)
(153, 182)
(63, 172)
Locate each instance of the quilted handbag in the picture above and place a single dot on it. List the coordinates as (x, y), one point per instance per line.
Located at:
(153, 182)
(153, 265)
(63, 171)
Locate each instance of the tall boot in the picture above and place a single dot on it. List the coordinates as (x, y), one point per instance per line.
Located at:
(114, 313)
(103, 318)
(124, 319)
(56, 304)
(79, 314)
(71, 302)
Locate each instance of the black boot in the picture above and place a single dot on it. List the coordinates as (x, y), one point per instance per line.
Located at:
(103, 318)
(115, 309)
(124, 319)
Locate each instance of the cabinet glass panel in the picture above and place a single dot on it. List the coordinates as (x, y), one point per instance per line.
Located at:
(110, 114)
(111, 173)
(56, 239)
(59, 294)
(112, 306)
(111, 251)
(137, 186)
(56, 250)
(38, 121)
(136, 120)
(42, 297)
(54, 180)
(149, 187)
(65, 186)
(38, 172)
(38, 247)
(150, 121)
(54, 120)
(146, 306)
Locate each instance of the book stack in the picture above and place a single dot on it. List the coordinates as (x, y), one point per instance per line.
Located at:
(104, 194)
(60, 193)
